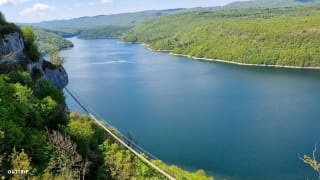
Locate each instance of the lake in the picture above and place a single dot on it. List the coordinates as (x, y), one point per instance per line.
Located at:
(232, 121)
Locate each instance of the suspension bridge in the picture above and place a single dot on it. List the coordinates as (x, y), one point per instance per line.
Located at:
(123, 140)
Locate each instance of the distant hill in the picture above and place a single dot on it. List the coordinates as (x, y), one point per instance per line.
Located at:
(269, 3)
(74, 26)
(110, 26)
(68, 27)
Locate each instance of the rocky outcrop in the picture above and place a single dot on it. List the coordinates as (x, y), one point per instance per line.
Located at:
(11, 48)
(57, 75)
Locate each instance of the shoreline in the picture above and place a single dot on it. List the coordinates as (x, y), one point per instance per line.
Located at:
(230, 62)
(216, 60)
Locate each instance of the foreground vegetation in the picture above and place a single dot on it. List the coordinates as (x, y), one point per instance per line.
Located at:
(39, 135)
(271, 36)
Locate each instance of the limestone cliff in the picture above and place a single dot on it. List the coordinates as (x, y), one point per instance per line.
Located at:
(12, 49)
(56, 75)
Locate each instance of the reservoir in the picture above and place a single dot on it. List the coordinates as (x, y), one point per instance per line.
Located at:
(232, 121)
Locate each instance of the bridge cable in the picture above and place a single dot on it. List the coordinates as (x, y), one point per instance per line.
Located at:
(87, 109)
(144, 159)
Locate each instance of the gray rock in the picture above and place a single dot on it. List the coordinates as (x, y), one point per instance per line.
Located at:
(58, 77)
(11, 48)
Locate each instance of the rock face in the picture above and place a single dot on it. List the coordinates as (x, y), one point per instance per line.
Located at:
(57, 76)
(11, 48)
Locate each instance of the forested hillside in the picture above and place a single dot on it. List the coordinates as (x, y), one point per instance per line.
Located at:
(110, 26)
(269, 3)
(47, 41)
(286, 36)
(104, 32)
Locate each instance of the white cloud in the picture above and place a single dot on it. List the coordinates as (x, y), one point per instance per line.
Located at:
(3, 2)
(37, 8)
(105, 1)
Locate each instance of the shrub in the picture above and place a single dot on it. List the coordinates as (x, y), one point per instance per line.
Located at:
(2, 19)
(44, 88)
(21, 77)
(56, 58)
(80, 129)
(31, 49)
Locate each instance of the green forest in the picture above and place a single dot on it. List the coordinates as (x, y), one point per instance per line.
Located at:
(47, 41)
(104, 32)
(39, 134)
(286, 36)
(269, 3)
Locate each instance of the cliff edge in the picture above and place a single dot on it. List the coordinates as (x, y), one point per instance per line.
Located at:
(13, 49)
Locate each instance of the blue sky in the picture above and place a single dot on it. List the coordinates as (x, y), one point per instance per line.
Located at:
(39, 10)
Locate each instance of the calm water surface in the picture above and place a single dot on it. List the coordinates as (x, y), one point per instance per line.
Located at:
(238, 122)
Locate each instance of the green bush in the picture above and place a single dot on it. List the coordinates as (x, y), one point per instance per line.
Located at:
(2, 18)
(21, 77)
(55, 57)
(31, 49)
(28, 35)
(9, 67)
(33, 53)
(44, 89)
(80, 128)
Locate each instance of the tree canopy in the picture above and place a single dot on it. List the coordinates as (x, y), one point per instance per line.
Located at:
(31, 48)
(46, 41)
(286, 36)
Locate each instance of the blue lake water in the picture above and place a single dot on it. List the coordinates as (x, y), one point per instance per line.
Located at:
(232, 121)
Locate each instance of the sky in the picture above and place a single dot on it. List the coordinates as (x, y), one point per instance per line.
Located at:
(22, 11)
